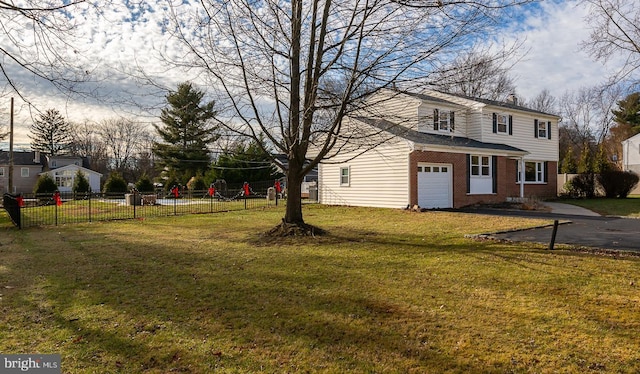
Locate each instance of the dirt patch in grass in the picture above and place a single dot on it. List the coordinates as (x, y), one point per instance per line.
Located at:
(285, 229)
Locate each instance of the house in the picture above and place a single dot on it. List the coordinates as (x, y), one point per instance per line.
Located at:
(27, 167)
(631, 157)
(439, 150)
(65, 177)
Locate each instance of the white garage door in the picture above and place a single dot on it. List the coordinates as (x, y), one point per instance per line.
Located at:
(435, 186)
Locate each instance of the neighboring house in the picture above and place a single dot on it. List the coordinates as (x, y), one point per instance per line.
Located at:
(27, 167)
(54, 162)
(631, 157)
(309, 181)
(65, 177)
(443, 151)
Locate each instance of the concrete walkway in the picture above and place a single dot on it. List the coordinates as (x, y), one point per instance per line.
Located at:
(569, 209)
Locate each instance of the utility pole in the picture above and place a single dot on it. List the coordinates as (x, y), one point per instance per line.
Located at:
(11, 149)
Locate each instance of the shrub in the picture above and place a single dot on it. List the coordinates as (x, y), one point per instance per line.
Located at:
(616, 183)
(81, 184)
(45, 184)
(115, 184)
(196, 184)
(582, 185)
(628, 183)
(144, 184)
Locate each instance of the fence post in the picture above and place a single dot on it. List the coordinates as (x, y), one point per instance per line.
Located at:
(12, 206)
(55, 202)
(90, 197)
(135, 197)
(175, 203)
(553, 235)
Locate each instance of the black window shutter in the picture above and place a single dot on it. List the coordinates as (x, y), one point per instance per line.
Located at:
(435, 119)
(546, 171)
(535, 127)
(453, 122)
(548, 130)
(517, 172)
(495, 123)
(494, 173)
(468, 173)
(510, 124)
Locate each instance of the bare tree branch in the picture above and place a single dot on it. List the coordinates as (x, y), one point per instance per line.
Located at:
(295, 70)
(615, 31)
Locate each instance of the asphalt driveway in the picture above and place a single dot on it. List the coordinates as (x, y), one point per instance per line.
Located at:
(611, 233)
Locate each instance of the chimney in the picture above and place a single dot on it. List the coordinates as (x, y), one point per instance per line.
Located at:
(36, 157)
(512, 99)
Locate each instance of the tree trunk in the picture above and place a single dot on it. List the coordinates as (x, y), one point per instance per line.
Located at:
(293, 213)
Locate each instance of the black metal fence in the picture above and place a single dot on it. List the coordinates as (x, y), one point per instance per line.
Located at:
(59, 208)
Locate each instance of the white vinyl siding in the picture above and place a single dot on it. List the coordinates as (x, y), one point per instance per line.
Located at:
(378, 178)
(426, 118)
(631, 153)
(393, 107)
(523, 135)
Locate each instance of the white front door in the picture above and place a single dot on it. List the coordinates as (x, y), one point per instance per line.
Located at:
(435, 185)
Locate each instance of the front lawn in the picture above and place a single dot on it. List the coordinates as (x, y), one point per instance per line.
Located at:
(629, 207)
(385, 291)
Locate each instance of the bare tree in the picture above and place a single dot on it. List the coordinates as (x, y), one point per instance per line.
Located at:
(615, 31)
(145, 159)
(294, 70)
(586, 118)
(543, 102)
(37, 41)
(122, 138)
(479, 73)
(86, 142)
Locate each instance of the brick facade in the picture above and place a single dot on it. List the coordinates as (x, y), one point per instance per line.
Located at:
(506, 176)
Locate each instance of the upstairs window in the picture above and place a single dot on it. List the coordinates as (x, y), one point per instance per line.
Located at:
(24, 172)
(1, 172)
(443, 120)
(542, 129)
(502, 123)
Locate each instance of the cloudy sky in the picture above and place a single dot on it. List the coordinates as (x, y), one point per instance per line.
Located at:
(551, 33)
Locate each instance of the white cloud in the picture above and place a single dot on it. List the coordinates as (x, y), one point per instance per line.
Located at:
(555, 60)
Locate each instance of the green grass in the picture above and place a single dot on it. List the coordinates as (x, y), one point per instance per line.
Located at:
(384, 291)
(629, 207)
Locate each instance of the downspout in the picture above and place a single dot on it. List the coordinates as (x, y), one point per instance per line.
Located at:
(626, 156)
(522, 174)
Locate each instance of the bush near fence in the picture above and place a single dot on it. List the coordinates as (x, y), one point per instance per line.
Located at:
(47, 209)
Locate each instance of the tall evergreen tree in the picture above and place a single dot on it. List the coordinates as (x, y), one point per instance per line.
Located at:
(51, 133)
(245, 162)
(628, 111)
(185, 133)
(568, 162)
